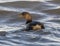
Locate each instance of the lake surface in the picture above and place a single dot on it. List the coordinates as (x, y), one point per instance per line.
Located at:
(47, 12)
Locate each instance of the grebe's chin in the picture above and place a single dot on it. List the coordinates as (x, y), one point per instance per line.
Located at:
(31, 25)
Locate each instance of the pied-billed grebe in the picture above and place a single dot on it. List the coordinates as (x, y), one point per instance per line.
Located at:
(31, 25)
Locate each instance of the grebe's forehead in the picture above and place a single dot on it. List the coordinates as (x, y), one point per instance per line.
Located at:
(24, 13)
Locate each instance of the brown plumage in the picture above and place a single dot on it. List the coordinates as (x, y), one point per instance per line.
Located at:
(31, 25)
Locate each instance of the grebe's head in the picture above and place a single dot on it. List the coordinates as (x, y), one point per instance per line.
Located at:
(26, 15)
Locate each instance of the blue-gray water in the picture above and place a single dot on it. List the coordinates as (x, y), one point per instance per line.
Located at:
(46, 12)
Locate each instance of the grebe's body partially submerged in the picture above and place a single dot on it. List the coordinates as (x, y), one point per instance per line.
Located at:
(35, 26)
(31, 25)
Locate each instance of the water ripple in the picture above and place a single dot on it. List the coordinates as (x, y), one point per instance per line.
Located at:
(10, 22)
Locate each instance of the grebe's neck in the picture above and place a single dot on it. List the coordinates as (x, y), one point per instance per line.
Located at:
(28, 21)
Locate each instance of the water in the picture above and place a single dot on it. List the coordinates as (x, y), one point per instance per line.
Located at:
(45, 11)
